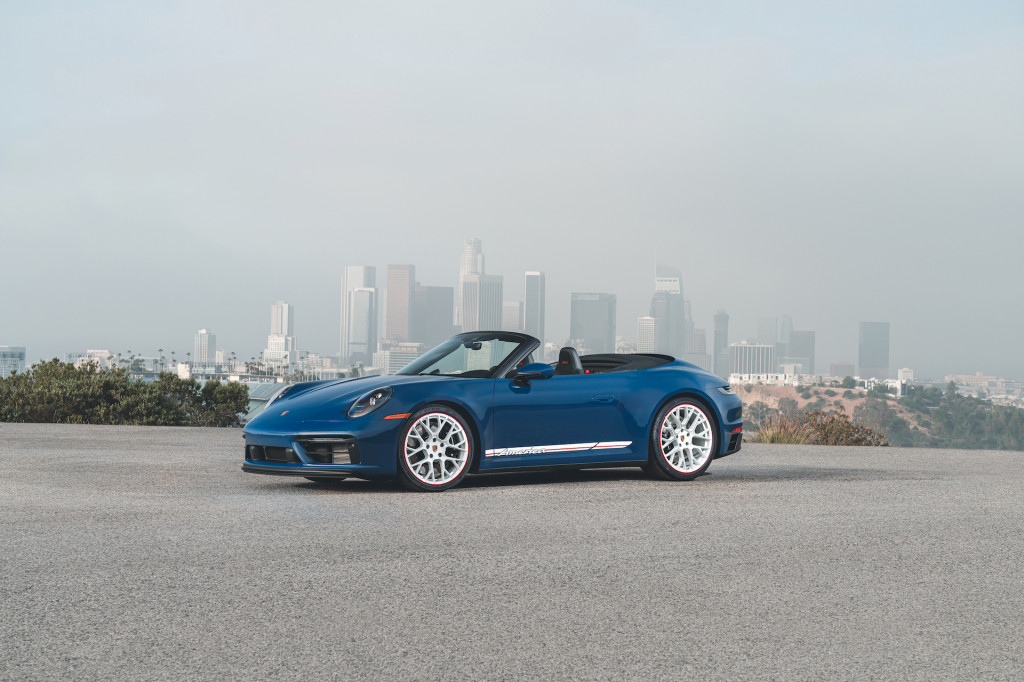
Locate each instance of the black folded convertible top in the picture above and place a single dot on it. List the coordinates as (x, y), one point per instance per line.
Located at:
(603, 363)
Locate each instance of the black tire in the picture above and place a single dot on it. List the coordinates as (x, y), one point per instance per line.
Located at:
(324, 479)
(444, 456)
(703, 438)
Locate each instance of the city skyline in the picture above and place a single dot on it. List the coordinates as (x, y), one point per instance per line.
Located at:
(667, 280)
(836, 164)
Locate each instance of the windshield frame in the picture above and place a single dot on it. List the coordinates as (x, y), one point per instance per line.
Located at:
(526, 345)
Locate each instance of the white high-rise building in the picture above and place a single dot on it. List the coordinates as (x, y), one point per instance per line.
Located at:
(281, 347)
(362, 325)
(512, 316)
(645, 334)
(533, 305)
(751, 358)
(481, 302)
(359, 305)
(472, 259)
(282, 319)
(472, 264)
(205, 348)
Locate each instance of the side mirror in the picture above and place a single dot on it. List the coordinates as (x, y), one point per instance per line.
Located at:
(533, 371)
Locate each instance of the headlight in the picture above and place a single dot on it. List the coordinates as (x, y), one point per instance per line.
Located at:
(368, 402)
(726, 390)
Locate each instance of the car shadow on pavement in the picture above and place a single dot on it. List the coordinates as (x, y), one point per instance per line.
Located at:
(492, 480)
(567, 476)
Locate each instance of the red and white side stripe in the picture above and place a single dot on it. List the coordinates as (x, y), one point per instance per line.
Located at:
(546, 449)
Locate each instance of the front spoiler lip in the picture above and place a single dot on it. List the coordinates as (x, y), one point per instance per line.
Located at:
(300, 470)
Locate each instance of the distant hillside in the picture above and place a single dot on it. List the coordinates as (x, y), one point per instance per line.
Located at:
(926, 417)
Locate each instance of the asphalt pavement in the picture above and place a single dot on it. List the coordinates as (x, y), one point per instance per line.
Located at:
(138, 553)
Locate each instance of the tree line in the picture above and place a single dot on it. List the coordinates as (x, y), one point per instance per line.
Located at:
(57, 392)
(938, 419)
(947, 419)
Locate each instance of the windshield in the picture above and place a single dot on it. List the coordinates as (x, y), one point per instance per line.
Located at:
(466, 355)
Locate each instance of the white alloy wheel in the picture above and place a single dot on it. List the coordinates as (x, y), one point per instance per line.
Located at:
(436, 448)
(686, 438)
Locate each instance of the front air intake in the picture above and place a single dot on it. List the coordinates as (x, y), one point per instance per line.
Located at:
(269, 453)
(331, 450)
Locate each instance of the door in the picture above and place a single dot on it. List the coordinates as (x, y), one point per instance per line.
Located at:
(570, 419)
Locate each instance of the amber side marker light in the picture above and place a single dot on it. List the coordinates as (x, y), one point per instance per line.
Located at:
(398, 416)
(737, 430)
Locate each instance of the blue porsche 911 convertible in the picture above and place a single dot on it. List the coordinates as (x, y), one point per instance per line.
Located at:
(479, 403)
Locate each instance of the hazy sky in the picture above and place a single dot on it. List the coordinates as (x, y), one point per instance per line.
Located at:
(176, 165)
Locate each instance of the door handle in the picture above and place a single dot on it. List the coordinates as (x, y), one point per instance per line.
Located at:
(603, 398)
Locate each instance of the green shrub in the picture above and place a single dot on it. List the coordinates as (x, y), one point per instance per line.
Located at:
(837, 428)
(56, 392)
(830, 393)
(783, 429)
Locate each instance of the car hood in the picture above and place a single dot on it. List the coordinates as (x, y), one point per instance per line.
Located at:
(331, 400)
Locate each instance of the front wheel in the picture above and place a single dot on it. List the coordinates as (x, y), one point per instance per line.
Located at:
(683, 441)
(435, 449)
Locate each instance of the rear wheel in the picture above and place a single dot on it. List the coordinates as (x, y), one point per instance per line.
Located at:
(683, 441)
(435, 450)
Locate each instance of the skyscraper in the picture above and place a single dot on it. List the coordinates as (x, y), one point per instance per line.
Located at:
(204, 349)
(512, 316)
(698, 353)
(801, 351)
(472, 263)
(533, 305)
(281, 347)
(721, 350)
(432, 314)
(361, 328)
(359, 303)
(481, 302)
(785, 329)
(688, 326)
(282, 319)
(401, 284)
(592, 322)
(873, 350)
(668, 308)
(700, 341)
(668, 279)
(785, 336)
(645, 334)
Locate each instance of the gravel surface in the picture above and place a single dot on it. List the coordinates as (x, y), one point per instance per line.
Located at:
(145, 553)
